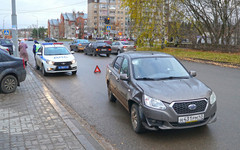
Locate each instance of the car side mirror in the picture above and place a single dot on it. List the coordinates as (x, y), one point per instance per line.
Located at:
(72, 52)
(193, 73)
(124, 77)
(39, 53)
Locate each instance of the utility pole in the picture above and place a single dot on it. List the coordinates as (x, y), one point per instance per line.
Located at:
(14, 29)
(108, 15)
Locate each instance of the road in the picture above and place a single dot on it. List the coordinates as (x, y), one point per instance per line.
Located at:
(86, 93)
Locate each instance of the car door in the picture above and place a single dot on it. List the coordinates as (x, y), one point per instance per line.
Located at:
(114, 78)
(38, 57)
(123, 86)
(113, 47)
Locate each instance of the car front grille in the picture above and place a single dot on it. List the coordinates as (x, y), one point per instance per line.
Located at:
(183, 107)
(63, 63)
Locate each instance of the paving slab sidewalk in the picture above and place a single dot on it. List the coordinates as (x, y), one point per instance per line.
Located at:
(31, 118)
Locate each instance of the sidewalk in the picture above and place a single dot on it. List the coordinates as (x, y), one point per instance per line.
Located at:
(32, 118)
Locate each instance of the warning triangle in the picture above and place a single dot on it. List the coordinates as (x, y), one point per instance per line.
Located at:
(97, 69)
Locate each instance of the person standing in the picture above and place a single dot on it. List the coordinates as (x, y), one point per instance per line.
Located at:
(23, 51)
(36, 46)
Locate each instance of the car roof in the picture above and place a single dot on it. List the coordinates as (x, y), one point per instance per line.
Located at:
(144, 54)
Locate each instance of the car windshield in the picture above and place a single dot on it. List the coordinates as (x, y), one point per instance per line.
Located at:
(56, 51)
(125, 43)
(7, 42)
(158, 68)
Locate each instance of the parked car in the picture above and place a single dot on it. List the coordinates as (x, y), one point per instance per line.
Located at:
(50, 40)
(7, 43)
(55, 58)
(159, 92)
(97, 48)
(105, 41)
(12, 72)
(78, 45)
(122, 46)
(30, 39)
(6, 49)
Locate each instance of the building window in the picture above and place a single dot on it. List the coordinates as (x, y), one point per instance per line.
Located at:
(103, 6)
(95, 12)
(103, 1)
(112, 12)
(112, 6)
(95, 6)
(95, 1)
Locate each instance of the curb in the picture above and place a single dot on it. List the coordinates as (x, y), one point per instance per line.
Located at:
(67, 117)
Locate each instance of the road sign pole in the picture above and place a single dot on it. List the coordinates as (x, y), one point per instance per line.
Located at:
(14, 29)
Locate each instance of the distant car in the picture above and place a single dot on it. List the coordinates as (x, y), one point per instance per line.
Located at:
(99, 38)
(116, 38)
(50, 40)
(123, 46)
(78, 45)
(12, 72)
(159, 92)
(105, 41)
(30, 39)
(55, 58)
(97, 48)
(6, 49)
(7, 43)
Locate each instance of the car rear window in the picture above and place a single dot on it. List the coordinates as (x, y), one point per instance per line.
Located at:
(102, 44)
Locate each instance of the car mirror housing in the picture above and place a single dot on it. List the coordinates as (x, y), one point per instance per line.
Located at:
(124, 77)
(193, 73)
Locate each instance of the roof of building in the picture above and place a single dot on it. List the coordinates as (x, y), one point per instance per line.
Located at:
(54, 22)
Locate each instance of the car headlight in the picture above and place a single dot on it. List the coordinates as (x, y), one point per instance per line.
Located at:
(50, 62)
(213, 98)
(73, 61)
(154, 103)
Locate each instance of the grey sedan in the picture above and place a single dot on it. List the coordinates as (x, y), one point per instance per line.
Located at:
(159, 92)
(122, 46)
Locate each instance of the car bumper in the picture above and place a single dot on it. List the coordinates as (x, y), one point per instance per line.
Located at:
(58, 69)
(168, 119)
(103, 52)
(22, 75)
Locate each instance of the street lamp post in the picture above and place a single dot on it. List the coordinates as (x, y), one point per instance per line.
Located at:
(14, 29)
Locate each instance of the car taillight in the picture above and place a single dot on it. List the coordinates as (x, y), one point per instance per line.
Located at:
(23, 63)
(79, 44)
(124, 46)
(134, 46)
(97, 49)
(109, 49)
(7, 49)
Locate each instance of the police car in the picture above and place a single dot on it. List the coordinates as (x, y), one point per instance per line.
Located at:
(54, 58)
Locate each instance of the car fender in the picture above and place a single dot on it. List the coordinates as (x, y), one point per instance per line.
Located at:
(9, 71)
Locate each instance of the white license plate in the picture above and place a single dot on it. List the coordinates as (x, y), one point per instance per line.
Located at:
(104, 49)
(189, 119)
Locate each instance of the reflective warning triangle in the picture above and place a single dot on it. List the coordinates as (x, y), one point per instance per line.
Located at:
(97, 69)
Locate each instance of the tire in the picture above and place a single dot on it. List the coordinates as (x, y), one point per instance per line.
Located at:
(43, 71)
(74, 72)
(108, 55)
(9, 84)
(118, 52)
(136, 119)
(111, 97)
(94, 54)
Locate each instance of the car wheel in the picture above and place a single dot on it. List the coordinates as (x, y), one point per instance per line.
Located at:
(118, 52)
(74, 72)
(9, 84)
(111, 97)
(43, 70)
(136, 120)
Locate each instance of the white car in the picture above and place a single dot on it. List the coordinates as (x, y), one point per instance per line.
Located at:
(55, 58)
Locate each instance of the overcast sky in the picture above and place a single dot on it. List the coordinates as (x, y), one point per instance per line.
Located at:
(29, 11)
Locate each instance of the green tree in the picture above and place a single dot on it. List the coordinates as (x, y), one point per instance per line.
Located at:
(39, 33)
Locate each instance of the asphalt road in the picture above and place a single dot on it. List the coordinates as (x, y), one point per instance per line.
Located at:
(86, 93)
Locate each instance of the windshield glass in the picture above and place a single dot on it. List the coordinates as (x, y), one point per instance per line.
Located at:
(7, 42)
(102, 44)
(56, 51)
(83, 41)
(157, 68)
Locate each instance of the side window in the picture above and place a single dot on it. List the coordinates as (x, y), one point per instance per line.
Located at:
(40, 49)
(124, 68)
(117, 63)
(113, 43)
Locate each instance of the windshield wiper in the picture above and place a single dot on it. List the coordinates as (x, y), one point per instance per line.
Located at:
(173, 77)
(145, 78)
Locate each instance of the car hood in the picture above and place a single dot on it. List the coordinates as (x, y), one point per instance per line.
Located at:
(59, 58)
(174, 90)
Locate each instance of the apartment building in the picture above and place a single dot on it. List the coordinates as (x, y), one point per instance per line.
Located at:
(53, 28)
(98, 10)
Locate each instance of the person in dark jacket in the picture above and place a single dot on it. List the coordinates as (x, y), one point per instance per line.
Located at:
(36, 46)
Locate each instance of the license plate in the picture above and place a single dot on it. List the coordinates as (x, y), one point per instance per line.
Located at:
(63, 67)
(189, 119)
(104, 49)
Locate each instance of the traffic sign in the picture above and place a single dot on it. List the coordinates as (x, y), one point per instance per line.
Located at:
(6, 32)
(97, 69)
(108, 27)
